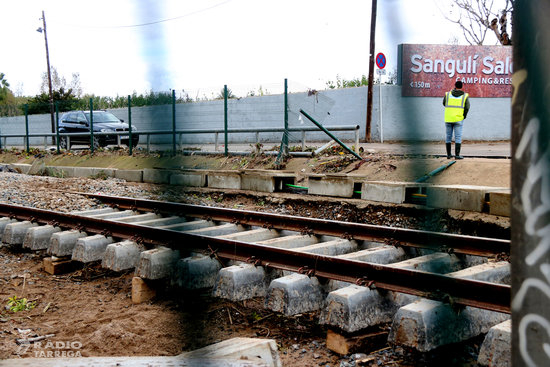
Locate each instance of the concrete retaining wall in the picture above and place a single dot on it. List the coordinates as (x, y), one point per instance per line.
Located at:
(403, 118)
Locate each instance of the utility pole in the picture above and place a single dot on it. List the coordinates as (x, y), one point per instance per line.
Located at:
(371, 71)
(49, 72)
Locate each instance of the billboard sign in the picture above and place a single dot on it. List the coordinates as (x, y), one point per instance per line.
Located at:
(432, 70)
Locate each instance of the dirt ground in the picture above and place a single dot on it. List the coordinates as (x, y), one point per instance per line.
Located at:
(90, 311)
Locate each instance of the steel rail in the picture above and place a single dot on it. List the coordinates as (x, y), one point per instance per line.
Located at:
(463, 292)
(446, 242)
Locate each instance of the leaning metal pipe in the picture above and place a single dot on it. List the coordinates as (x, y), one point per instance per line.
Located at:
(435, 172)
(331, 135)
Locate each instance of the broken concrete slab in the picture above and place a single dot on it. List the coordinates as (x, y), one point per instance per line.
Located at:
(236, 352)
(354, 307)
(38, 238)
(264, 350)
(121, 256)
(63, 243)
(91, 248)
(14, 233)
(240, 282)
(4, 221)
(496, 350)
(345, 304)
(157, 263)
(427, 324)
(294, 294)
(196, 272)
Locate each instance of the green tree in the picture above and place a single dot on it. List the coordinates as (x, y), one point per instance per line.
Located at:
(345, 83)
(4, 88)
(7, 99)
(41, 103)
(229, 94)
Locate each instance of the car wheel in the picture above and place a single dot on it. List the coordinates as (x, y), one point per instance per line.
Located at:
(63, 142)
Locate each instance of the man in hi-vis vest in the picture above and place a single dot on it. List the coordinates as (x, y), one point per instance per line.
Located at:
(457, 105)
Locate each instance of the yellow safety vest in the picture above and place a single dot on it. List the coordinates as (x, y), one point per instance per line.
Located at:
(454, 107)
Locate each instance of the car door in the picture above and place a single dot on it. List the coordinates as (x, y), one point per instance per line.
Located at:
(81, 126)
(68, 124)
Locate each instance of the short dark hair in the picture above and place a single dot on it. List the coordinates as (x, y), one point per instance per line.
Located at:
(458, 84)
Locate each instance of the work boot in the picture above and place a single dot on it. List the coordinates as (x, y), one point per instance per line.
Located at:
(448, 146)
(457, 151)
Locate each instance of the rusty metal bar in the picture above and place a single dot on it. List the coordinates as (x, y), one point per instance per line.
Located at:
(460, 244)
(459, 291)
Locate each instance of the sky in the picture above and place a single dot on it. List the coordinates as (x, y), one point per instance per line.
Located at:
(198, 46)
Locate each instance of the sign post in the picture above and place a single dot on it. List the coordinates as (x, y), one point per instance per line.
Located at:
(381, 63)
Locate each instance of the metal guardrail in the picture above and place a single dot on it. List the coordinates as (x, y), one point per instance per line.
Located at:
(180, 133)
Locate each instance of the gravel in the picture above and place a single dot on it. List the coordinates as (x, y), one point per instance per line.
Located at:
(61, 193)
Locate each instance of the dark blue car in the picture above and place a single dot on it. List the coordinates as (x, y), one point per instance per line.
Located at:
(103, 122)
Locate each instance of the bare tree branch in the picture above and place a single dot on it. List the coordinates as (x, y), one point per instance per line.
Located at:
(476, 17)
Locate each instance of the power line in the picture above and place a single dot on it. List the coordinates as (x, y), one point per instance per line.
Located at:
(153, 22)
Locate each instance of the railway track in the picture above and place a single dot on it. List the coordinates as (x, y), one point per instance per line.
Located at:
(277, 253)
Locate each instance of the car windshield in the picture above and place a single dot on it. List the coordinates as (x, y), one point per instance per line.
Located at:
(100, 116)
